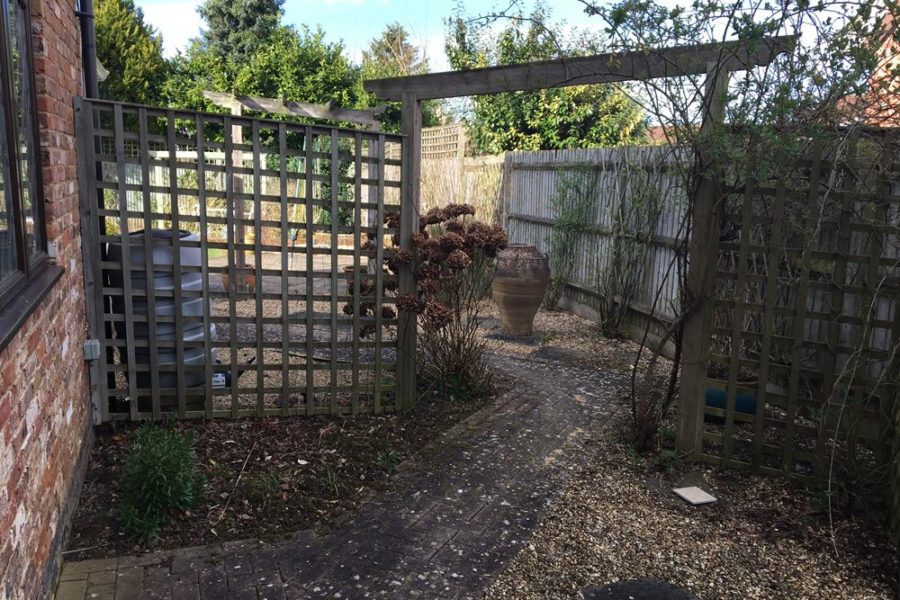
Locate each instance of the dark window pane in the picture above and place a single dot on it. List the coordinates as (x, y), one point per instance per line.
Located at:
(7, 245)
(28, 157)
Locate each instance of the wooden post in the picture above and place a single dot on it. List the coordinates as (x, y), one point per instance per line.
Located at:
(237, 160)
(702, 255)
(411, 125)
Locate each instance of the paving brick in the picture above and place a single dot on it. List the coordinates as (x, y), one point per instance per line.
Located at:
(71, 590)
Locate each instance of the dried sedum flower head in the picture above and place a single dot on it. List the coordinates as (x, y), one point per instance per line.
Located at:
(433, 217)
(438, 314)
(451, 211)
(451, 241)
(458, 260)
(410, 303)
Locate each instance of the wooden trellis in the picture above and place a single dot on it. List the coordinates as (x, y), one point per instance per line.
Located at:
(804, 326)
(305, 326)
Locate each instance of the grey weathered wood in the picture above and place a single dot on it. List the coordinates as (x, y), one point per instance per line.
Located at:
(126, 259)
(703, 254)
(285, 294)
(603, 68)
(800, 318)
(91, 254)
(335, 222)
(172, 146)
(357, 264)
(258, 270)
(308, 303)
(330, 111)
(199, 125)
(379, 279)
(409, 218)
(232, 271)
(148, 261)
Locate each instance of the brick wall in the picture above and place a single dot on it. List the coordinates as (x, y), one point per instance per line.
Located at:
(44, 397)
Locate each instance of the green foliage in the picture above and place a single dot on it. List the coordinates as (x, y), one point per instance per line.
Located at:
(160, 478)
(573, 204)
(668, 462)
(827, 80)
(131, 51)
(568, 117)
(392, 54)
(388, 459)
(633, 218)
(295, 64)
(237, 29)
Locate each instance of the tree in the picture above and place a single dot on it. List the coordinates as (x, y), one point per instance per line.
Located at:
(131, 51)
(570, 117)
(293, 64)
(392, 55)
(237, 29)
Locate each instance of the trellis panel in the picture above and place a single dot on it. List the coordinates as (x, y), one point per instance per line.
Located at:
(804, 318)
(270, 300)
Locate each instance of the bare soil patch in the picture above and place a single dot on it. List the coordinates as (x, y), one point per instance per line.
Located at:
(295, 473)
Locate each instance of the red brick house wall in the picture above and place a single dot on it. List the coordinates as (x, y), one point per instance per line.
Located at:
(44, 395)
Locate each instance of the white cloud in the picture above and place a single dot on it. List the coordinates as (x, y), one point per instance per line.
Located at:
(177, 21)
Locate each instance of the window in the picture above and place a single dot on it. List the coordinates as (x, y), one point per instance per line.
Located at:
(25, 273)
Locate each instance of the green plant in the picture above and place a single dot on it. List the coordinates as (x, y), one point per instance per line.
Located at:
(332, 481)
(574, 204)
(160, 478)
(667, 461)
(388, 459)
(633, 217)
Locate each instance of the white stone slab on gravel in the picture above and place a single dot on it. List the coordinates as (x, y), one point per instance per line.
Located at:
(694, 495)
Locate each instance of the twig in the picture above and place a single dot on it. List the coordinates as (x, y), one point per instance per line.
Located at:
(231, 495)
(85, 549)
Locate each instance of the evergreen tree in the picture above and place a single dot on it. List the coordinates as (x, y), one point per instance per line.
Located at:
(237, 29)
(131, 51)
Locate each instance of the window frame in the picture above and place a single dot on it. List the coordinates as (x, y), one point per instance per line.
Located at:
(23, 290)
(29, 267)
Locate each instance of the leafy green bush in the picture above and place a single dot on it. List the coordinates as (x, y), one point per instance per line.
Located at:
(159, 479)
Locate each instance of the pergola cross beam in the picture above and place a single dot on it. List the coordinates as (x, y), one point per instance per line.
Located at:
(602, 68)
(330, 111)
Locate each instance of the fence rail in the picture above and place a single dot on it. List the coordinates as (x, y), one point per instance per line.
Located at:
(237, 264)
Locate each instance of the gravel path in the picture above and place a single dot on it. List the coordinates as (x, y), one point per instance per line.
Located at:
(764, 539)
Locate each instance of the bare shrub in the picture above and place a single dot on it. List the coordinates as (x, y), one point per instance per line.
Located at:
(455, 256)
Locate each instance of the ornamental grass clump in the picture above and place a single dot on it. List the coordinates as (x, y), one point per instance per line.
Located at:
(454, 266)
(160, 479)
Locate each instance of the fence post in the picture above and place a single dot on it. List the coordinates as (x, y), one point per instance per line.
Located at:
(702, 259)
(411, 125)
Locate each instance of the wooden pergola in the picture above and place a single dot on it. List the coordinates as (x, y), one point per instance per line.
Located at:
(716, 61)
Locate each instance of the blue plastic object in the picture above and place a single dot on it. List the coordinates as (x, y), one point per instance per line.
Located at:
(744, 399)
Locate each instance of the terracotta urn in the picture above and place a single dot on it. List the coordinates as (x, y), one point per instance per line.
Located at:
(518, 287)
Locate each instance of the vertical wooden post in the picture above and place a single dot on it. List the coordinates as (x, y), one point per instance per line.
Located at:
(237, 137)
(702, 256)
(411, 125)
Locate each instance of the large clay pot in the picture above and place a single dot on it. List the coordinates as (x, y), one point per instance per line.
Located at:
(518, 287)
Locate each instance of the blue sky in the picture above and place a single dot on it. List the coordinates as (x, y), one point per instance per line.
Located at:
(355, 22)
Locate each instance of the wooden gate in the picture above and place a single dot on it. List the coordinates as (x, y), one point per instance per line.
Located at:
(265, 285)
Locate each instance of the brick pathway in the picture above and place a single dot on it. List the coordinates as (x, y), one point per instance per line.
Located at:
(450, 523)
